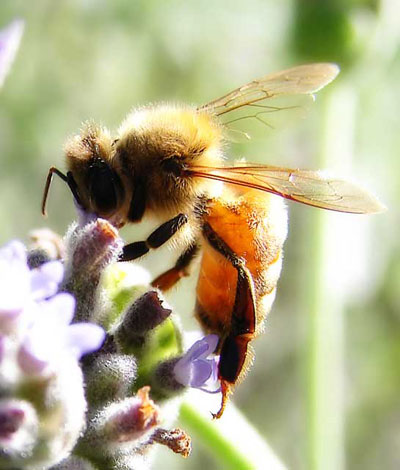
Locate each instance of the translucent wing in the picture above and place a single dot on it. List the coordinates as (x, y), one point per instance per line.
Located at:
(301, 80)
(309, 187)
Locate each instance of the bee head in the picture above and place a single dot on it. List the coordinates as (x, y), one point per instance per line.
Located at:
(92, 178)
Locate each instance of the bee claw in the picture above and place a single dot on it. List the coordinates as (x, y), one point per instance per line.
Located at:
(226, 391)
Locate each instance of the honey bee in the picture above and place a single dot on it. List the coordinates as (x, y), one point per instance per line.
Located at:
(167, 161)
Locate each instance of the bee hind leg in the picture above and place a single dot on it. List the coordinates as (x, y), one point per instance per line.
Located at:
(170, 277)
(243, 320)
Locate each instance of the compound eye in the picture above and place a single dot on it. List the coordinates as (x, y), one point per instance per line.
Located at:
(173, 165)
(104, 185)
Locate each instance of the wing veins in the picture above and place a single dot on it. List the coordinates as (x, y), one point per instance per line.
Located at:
(305, 186)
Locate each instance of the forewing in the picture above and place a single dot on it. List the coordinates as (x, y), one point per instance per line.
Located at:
(304, 79)
(308, 187)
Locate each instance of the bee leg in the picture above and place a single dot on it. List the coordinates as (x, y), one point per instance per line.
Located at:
(69, 179)
(243, 321)
(157, 238)
(234, 347)
(170, 277)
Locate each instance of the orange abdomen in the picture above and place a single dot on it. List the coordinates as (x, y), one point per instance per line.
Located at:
(254, 226)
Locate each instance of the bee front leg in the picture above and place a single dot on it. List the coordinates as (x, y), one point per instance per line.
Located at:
(170, 277)
(157, 238)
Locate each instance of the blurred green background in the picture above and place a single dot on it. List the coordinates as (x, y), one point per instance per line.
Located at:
(324, 389)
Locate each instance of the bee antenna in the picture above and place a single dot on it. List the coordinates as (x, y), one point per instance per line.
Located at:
(49, 179)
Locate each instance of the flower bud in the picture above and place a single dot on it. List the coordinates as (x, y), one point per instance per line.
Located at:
(18, 432)
(145, 314)
(164, 383)
(109, 377)
(132, 419)
(74, 463)
(120, 428)
(89, 250)
(46, 241)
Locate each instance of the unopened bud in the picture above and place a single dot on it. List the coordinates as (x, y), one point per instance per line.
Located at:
(164, 383)
(145, 314)
(18, 432)
(132, 418)
(47, 242)
(11, 419)
(109, 377)
(126, 424)
(74, 463)
(36, 258)
(89, 251)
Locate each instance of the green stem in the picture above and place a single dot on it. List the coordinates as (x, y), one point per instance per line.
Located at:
(231, 440)
(326, 298)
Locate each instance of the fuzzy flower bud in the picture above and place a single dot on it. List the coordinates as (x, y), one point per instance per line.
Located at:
(45, 245)
(90, 250)
(74, 463)
(131, 419)
(145, 314)
(19, 428)
(110, 377)
(120, 428)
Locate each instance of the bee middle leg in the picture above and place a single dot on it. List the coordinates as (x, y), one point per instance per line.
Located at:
(157, 238)
(170, 277)
(243, 320)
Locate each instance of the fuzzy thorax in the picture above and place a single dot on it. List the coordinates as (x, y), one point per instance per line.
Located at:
(157, 143)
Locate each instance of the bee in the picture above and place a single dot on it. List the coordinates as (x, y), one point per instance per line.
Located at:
(167, 161)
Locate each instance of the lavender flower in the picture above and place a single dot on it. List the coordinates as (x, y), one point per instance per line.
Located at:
(21, 288)
(42, 410)
(51, 337)
(10, 38)
(46, 334)
(14, 281)
(193, 369)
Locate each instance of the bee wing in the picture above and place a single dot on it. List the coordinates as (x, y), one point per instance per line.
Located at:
(308, 187)
(301, 80)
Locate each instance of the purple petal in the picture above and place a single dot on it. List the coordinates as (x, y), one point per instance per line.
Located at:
(200, 372)
(30, 360)
(214, 363)
(212, 342)
(84, 338)
(58, 310)
(192, 374)
(2, 346)
(10, 38)
(46, 336)
(45, 279)
(13, 251)
(182, 372)
(14, 275)
(195, 351)
(202, 348)
(193, 369)
(84, 217)
(11, 419)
